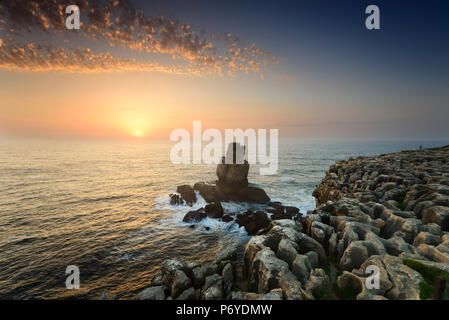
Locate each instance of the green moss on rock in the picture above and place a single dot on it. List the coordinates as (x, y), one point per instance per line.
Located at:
(425, 291)
(427, 272)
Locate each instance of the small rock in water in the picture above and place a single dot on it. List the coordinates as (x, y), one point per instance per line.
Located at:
(195, 215)
(214, 210)
(152, 293)
(261, 219)
(187, 193)
(226, 218)
(291, 210)
(175, 199)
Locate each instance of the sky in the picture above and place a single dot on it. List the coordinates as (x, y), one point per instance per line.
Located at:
(310, 69)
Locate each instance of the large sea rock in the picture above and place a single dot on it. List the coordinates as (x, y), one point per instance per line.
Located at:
(232, 183)
(213, 192)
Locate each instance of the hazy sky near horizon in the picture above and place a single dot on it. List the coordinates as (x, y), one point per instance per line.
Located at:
(308, 68)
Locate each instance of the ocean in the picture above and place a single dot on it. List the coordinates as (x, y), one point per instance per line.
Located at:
(104, 207)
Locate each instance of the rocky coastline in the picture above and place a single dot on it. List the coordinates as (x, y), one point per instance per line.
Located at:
(389, 211)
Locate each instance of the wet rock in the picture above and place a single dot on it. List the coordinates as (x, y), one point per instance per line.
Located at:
(287, 224)
(189, 266)
(253, 222)
(188, 294)
(350, 282)
(291, 287)
(214, 210)
(313, 259)
(261, 219)
(438, 215)
(169, 269)
(180, 283)
(307, 244)
(157, 280)
(233, 174)
(276, 205)
(357, 252)
(209, 191)
(214, 292)
(187, 193)
(251, 194)
(228, 253)
(443, 247)
(287, 251)
(152, 293)
(293, 211)
(252, 228)
(275, 294)
(227, 218)
(175, 199)
(396, 245)
(233, 169)
(301, 267)
(210, 269)
(212, 192)
(228, 273)
(267, 269)
(280, 216)
(236, 295)
(321, 232)
(398, 281)
(198, 276)
(318, 283)
(434, 229)
(324, 193)
(432, 253)
(243, 219)
(445, 237)
(426, 238)
(211, 280)
(195, 215)
(240, 277)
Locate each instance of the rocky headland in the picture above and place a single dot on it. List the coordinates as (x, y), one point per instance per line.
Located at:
(389, 211)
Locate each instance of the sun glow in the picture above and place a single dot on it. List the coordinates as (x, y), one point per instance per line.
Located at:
(137, 133)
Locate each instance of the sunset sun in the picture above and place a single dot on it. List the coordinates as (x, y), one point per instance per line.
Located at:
(137, 133)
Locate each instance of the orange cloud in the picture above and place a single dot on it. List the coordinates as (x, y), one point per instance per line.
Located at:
(32, 57)
(118, 23)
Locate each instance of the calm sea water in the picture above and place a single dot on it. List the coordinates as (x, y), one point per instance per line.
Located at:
(104, 207)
